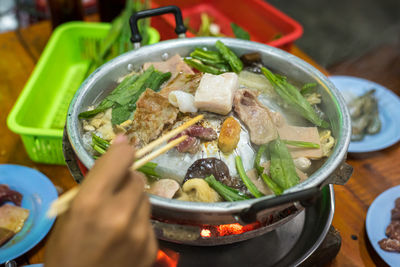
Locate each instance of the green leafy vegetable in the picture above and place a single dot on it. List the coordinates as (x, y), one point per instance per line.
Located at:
(260, 170)
(159, 80)
(293, 97)
(246, 180)
(117, 40)
(301, 144)
(257, 162)
(133, 91)
(202, 67)
(229, 194)
(308, 88)
(149, 169)
(235, 63)
(271, 184)
(282, 169)
(239, 32)
(110, 100)
(101, 146)
(207, 56)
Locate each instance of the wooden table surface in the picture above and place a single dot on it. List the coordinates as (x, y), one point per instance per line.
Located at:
(373, 172)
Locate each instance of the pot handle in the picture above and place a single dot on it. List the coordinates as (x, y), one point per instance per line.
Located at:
(180, 28)
(305, 197)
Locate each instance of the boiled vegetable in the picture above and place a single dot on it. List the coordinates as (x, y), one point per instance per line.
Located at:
(293, 97)
(198, 190)
(260, 170)
(235, 63)
(282, 169)
(246, 180)
(301, 144)
(225, 191)
(202, 67)
(257, 162)
(101, 146)
(117, 40)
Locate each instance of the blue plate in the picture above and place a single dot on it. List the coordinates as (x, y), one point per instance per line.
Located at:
(389, 112)
(378, 218)
(38, 193)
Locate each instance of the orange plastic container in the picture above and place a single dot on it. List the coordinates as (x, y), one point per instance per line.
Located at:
(265, 23)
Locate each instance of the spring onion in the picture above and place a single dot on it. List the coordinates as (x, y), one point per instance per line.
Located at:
(246, 180)
(225, 191)
(293, 97)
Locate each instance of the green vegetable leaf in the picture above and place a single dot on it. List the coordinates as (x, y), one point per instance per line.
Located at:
(293, 97)
(119, 114)
(239, 32)
(301, 144)
(235, 63)
(282, 169)
(202, 67)
(246, 180)
(228, 193)
(308, 88)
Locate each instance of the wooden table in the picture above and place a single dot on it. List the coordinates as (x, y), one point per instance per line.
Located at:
(373, 172)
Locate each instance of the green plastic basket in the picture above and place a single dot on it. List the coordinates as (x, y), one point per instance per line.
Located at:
(40, 112)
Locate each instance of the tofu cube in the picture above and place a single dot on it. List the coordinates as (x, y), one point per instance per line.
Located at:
(215, 92)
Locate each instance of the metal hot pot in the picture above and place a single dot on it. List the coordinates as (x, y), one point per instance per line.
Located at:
(333, 171)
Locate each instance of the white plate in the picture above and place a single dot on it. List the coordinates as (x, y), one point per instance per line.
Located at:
(389, 112)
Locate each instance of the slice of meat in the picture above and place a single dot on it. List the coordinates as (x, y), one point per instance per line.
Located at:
(396, 214)
(296, 133)
(192, 142)
(393, 230)
(397, 202)
(388, 244)
(215, 92)
(13, 217)
(201, 132)
(5, 235)
(164, 188)
(174, 65)
(153, 113)
(182, 82)
(6, 194)
(190, 145)
(255, 115)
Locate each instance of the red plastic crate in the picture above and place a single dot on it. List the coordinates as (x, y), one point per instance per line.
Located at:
(260, 19)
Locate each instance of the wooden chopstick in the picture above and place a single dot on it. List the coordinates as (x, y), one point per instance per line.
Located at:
(62, 204)
(140, 153)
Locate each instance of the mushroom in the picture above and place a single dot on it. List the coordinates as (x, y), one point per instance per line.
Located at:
(198, 190)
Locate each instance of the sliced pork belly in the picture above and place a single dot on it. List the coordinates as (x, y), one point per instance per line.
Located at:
(153, 113)
(255, 115)
(215, 92)
(174, 65)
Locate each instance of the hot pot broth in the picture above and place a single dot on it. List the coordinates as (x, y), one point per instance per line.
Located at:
(242, 99)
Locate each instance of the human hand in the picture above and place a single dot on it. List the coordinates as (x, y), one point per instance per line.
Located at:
(108, 222)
